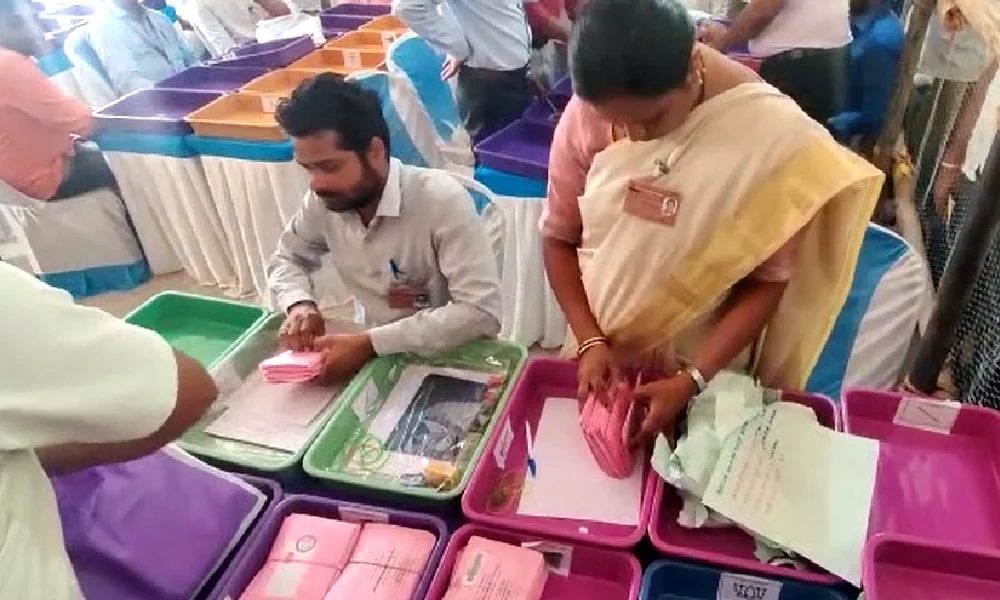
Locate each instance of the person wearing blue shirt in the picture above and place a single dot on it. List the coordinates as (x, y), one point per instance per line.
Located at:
(875, 53)
(138, 47)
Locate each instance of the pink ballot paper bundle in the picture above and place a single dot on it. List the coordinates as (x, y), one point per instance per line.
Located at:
(490, 570)
(306, 559)
(292, 367)
(386, 564)
(607, 427)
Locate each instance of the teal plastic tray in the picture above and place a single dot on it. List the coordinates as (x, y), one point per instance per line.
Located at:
(229, 374)
(206, 329)
(333, 443)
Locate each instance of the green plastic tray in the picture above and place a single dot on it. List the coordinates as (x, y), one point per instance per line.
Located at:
(206, 329)
(384, 372)
(229, 374)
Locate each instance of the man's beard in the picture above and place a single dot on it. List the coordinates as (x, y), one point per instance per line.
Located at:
(367, 191)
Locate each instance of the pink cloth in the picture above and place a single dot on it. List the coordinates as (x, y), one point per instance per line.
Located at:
(580, 136)
(37, 122)
(308, 556)
(386, 564)
(607, 427)
(490, 570)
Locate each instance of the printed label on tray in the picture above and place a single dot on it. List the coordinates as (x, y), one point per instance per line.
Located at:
(352, 59)
(356, 514)
(388, 38)
(502, 449)
(269, 104)
(473, 571)
(927, 414)
(744, 587)
(558, 557)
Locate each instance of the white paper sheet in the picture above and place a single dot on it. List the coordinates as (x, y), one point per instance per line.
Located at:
(280, 416)
(565, 466)
(805, 487)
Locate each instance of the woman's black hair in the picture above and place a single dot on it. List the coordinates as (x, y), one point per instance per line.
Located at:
(630, 48)
(328, 102)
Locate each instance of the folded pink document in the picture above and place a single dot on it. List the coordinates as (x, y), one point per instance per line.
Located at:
(386, 564)
(489, 570)
(308, 556)
(292, 367)
(607, 427)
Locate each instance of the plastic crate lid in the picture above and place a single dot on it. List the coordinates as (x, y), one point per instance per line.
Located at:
(153, 110)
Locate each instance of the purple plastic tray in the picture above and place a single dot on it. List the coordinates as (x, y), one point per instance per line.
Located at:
(521, 148)
(939, 485)
(370, 10)
(269, 55)
(594, 573)
(562, 91)
(341, 21)
(273, 492)
(255, 551)
(905, 568)
(543, 112)
(153, 111)
(542, 378)
(212, 79)
(729, 547)
(334, 32)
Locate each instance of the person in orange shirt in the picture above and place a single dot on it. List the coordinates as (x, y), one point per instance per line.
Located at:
(41, 155)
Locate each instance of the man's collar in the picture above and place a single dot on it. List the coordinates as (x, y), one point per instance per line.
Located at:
(392, 195)
(120, 12)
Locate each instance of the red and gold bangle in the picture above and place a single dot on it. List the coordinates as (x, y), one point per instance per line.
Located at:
(597, 340)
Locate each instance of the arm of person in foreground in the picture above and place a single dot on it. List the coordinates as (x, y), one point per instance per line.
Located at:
(757, 15)
(300, 250)
(40, 99)
(437, 27)
(467, 261)
(81, 388)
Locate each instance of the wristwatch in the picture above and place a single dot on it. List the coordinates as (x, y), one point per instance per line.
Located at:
(695, 374)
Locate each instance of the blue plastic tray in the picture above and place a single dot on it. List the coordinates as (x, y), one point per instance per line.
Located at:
(668, 580)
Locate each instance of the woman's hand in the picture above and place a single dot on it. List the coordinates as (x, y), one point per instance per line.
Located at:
(595, 369)
(666, 400)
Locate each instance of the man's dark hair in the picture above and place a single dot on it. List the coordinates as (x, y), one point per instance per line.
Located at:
(630, 48)
(328, 102)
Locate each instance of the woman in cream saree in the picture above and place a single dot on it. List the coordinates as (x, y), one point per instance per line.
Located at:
(708, 211)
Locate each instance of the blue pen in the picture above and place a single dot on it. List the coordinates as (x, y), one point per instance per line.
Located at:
(532, 466)
(394, 268)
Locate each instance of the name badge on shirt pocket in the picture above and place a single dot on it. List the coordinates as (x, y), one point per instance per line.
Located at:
(651, 202)
(407, 296)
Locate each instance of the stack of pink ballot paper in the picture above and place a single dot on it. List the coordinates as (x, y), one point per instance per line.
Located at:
(292, 367)
(306, 559)
(489, 570)
(386, 564)
(607, 427)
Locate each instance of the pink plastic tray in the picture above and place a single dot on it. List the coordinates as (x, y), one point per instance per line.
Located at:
(904, 568)
(542, 378)
(938, 486)
(729, 547)
(595, 573)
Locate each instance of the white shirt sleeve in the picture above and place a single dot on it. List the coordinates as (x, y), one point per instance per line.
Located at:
(71, 374)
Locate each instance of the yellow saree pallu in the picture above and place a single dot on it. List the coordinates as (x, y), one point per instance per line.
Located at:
(749, 170)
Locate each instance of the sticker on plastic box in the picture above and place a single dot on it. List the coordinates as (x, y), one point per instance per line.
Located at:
(558, 557)
(356, 514)
(745, 587)
(502, 448)
(937, 416)
(269, 104)
(352, 59)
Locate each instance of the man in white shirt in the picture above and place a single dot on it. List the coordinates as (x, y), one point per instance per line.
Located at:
(486, 43)
(78, 388)
(406, 241)
(225, 24)
(803, 45)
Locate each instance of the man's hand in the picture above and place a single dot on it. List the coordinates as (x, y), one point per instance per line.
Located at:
(450, 68)
(344, 354)
(666, 400)
(712, 33)
(302, 326)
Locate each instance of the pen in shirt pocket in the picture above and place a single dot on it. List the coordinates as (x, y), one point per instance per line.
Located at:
(394, 268)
